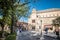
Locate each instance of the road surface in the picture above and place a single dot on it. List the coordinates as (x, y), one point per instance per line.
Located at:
(27, 35)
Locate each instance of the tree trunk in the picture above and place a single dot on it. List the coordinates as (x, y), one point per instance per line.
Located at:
(11, 29)
(2, 31)
(12, 25)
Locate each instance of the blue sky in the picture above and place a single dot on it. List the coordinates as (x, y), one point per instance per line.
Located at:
(42, 5)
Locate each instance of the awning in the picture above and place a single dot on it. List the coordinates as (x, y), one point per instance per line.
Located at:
(48, 26)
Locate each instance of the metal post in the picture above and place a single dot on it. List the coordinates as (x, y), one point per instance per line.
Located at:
(41, 38)
(41, 27)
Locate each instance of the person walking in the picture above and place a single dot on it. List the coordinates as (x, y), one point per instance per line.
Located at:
(17, 32)
(57, 33)
(46, 30)
(20, 28)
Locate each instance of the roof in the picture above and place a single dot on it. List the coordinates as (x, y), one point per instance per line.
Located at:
(22, 23)
(48, 10)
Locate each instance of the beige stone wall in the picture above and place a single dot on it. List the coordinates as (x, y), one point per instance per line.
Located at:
(45, 15)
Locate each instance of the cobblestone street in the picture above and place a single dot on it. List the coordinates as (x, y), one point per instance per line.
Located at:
(30, 36)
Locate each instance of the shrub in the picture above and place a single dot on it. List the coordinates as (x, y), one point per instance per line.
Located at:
(6, 34)
(0, 34)
(11, 37)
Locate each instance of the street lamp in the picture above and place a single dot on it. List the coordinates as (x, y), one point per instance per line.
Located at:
(41, 27)
(41, 38)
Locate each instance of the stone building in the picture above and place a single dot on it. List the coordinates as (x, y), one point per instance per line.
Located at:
(22, 25)
(43, 19)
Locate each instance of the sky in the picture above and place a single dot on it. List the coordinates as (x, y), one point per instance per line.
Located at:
(42, 5)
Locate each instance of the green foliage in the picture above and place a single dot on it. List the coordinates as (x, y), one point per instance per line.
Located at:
(22, 11)
(11, 37)
(5, 34)
(56, 22)
(0, 34)
(13, 8)
(11, 11)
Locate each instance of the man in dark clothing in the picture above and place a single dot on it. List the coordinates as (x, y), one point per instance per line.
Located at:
(20, 28)
(46, 30)
(57, 33)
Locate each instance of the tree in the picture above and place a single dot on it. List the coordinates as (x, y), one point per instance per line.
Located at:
(18, 10)
(11, 11)
(4, 9)
(56, 23)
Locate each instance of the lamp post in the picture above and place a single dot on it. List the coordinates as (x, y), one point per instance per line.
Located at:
(41, 38)
(41, 27)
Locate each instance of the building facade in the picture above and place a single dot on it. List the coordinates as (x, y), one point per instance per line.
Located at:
(22, 25)
(43, 19)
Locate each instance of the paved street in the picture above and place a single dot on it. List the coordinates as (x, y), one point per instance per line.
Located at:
(32, 36)
(27, 36)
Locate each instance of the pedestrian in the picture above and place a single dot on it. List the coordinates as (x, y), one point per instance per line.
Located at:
(17, 32)
(46, 30)
(57, 33)
(20, 30)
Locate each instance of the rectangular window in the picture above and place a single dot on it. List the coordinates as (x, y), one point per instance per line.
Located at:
(37, 16)
(33, 21)
(39, 27)
(33, 27)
